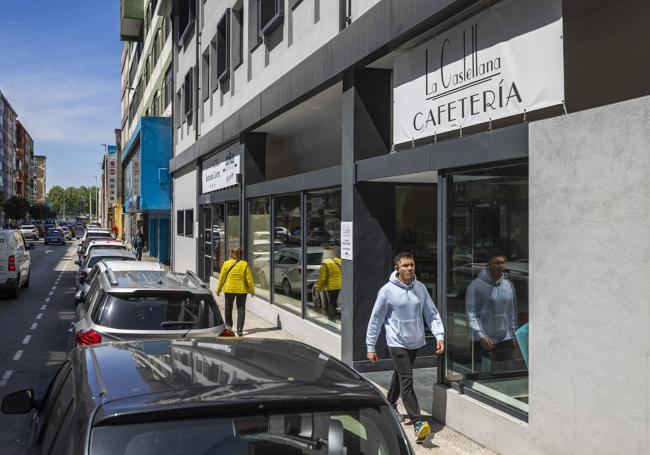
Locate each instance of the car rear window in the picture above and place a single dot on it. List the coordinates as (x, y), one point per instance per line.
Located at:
(54, 231)
(149, 313)
(366, 430)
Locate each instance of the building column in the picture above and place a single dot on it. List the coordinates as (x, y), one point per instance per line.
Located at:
(370, 206)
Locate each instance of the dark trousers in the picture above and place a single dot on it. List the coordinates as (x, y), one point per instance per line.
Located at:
(501, 358)
(402, 381)
(138, 253)
(240, 299)
(329, 299)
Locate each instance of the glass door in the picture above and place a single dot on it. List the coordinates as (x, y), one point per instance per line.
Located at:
(206, 253)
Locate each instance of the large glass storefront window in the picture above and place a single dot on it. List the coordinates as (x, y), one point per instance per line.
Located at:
(287, 260)
(259, 245)
(487, 283)
(218, 238)
(324, 272)
(233, 224)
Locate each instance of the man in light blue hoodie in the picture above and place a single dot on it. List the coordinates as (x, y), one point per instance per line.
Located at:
(399, 308)
(491, 306)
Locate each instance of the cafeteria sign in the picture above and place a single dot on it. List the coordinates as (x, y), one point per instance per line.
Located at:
(504, 61)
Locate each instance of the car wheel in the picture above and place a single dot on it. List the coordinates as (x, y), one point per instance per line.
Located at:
(26, 283)
(286, 287)
(13, 293)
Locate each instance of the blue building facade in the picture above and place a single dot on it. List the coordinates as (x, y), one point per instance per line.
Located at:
(147, 185)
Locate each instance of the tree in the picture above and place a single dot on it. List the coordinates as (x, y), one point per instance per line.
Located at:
(55, 198)
(15, 208)
(40, 211)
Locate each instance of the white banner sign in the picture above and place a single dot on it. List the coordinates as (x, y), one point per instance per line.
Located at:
(506, 60)
(222, 174)
(346, 240)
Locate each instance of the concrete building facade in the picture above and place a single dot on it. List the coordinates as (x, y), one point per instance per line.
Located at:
(8, 144)
(320, 135)
(147, 89)
(24, 163)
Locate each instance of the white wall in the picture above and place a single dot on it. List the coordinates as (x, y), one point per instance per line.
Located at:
(589, 292)
(359, 7)
(184, 198)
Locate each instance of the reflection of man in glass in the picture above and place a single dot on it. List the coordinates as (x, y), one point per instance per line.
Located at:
(329, 281)
(490, 303)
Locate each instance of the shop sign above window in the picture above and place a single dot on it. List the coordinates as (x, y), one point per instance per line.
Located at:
(220, 172)
(504, 61)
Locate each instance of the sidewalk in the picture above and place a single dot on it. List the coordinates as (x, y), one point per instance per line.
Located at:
(445, 441)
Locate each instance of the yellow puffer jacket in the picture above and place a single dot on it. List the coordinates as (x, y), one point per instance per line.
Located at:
(329, 277)
(238, 278)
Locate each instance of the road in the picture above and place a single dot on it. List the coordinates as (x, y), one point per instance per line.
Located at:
(34, 333)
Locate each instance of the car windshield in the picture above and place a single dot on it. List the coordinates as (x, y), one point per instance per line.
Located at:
(54, 231)
(167, 312)
(90, 263)
(366, 430)
(27, 226)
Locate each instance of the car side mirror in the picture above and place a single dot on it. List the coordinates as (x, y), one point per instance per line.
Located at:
(20, 402)
(78, 262)
(31, 246)
(79, 297)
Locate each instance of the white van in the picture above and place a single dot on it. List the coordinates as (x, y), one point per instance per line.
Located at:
(15, 262)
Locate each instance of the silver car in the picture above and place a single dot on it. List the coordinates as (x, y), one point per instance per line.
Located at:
(101, 254)
(124, 304)
(287, 265)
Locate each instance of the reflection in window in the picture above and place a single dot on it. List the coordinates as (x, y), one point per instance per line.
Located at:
(324, 271)
(287, 263)
(232, 226)
(487, 283)
(259, 245)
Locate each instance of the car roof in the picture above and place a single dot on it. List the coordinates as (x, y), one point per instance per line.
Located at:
(164, 375)
(155, 284)
(102, 241)
(121, 266)
(110, 252)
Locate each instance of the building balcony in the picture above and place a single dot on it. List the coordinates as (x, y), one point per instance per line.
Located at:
(131, 19)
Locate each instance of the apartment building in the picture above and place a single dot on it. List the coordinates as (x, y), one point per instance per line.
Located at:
(146, 69)
(40, 173)
(24, 163)
(8, 143)
(308, 131)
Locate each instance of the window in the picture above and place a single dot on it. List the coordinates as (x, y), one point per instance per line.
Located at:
(232, 226)
(324, 268)
(271, 15)
(487, 283)
(259, 249)
(186, 16)
(169, 88)
(188, 94)
(189, 223)
(237, 34)
(205, 75)
(214, 80)
(218, 238)
(223, 47)
(180, 222)
(287, 273)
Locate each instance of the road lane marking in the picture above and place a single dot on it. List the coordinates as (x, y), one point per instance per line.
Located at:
(27, 338)
(34, 325)
(43, 307)
(5, 378)
(54, 288)
(39, 315)
(18, 354)
(50, 293)
(47, 299)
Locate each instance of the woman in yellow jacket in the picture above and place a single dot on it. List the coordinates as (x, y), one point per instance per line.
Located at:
(236, 280)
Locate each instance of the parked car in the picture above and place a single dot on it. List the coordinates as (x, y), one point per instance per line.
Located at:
(101, 254)
(92, 234)
(287, 264)
(79, 230)
(15, 262)
(104, 244)
(213, 396)
(139, 270)
(29, 231)
(54, 235)
(133, 306)
(67, 232)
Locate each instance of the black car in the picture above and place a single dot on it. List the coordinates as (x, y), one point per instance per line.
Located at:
(220, 396)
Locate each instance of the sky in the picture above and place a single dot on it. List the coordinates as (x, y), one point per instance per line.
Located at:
(60, 71)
